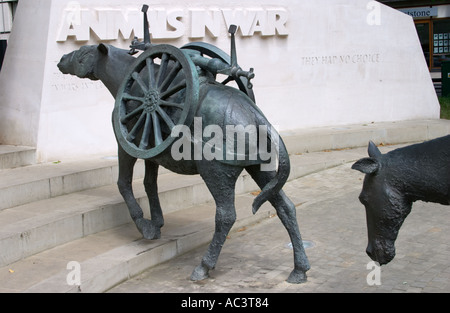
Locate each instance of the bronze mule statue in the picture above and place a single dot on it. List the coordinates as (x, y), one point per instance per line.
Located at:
(219, 105)
(395, 180)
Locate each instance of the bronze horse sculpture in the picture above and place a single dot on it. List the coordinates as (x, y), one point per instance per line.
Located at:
(218, 105)
(393, 182)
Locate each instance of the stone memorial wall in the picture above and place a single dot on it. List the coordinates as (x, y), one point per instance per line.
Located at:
(317, 63)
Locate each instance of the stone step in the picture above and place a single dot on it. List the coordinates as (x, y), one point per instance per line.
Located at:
(351, 136)
(41, 225)
(25, 184)
(110, 257)
(34, 227)
(16, 156)
(113, 255)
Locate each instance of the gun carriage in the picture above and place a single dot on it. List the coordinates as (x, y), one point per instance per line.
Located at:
(161, 90)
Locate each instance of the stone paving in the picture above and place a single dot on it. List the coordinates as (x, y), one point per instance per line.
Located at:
(258, 258)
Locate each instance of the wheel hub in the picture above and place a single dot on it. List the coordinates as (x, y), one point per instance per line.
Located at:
(151, 100)
(161, 81)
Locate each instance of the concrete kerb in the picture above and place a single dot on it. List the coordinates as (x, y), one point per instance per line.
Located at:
(358, 135)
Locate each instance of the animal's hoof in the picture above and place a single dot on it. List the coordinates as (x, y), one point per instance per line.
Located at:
(200, 273)
(297, 277)
(148, 229)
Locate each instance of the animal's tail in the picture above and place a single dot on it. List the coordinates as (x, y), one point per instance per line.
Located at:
(274, 186)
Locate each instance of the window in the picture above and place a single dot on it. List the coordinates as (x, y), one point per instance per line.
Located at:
(7, 10)
(441, 42)
(423, 30)
(434, 36)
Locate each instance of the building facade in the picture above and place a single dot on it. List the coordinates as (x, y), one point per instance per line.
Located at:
(432, 21)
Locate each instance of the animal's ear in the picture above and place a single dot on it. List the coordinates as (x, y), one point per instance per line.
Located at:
(367, 165)
(373, 150)
(103, 48)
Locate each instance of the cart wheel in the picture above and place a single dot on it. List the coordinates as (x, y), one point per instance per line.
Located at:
(212, 51)
(159, 91)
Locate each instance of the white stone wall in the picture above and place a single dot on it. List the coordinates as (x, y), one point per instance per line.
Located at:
(317, 63)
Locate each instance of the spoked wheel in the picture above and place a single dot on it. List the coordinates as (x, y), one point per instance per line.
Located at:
(212, 51)
(159, 91)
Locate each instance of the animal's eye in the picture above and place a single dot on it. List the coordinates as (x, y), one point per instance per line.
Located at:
(82, 56)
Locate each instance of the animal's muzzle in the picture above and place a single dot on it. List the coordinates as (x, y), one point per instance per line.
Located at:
(383, 254)
(370, 252)
(63, 64)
